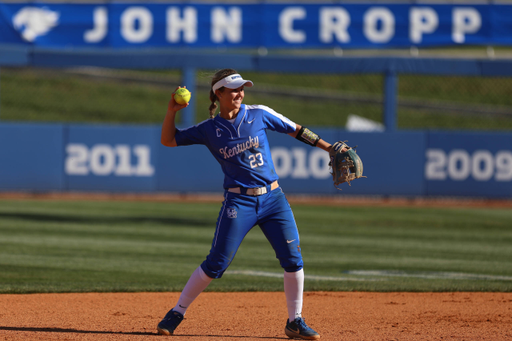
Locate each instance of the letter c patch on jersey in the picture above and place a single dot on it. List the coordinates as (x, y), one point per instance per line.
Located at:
(231, 212)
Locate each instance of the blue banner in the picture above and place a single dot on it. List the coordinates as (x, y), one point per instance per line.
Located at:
(279, 25)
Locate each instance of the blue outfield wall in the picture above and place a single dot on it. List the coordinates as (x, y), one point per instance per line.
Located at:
(104, 158)
(31, 157)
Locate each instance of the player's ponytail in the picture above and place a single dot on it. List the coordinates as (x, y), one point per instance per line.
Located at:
(213, 106)
(217, 77)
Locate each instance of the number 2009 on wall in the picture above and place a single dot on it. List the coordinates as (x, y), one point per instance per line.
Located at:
(459, 165)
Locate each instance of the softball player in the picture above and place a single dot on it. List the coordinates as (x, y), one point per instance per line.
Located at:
(237, 139)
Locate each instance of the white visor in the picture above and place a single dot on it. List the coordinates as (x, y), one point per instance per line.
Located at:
(232, 82)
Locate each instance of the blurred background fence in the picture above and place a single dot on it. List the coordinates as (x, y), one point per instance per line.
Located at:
(93, 94)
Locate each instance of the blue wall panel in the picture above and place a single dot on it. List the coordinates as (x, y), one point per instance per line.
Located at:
(31, 157)
(309, 172)
(301, 168)
(45, 157)
(393, 162)
(188, 169)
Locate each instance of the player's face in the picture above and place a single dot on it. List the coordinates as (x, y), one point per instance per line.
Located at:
(232, 99)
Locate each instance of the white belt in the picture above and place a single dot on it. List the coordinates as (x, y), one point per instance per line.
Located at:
(254, 191)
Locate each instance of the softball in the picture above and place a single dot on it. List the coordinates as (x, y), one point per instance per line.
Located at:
(182, 96)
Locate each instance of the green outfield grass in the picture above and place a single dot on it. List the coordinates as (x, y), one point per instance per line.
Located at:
(83, 246)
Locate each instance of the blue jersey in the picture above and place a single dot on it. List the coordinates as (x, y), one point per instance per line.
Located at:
(241, 148)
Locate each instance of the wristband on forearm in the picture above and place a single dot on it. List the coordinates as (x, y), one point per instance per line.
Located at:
(307, 136)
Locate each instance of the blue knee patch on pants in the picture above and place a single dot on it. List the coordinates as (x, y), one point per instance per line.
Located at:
(215, 268)
(211, 274)
(293, 268)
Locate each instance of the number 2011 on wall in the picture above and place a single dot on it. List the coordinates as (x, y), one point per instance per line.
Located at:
(104, 160)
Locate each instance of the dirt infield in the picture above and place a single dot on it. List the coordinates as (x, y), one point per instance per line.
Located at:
(258, 316)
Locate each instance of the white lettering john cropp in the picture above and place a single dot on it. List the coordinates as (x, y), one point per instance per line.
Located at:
(240, 147)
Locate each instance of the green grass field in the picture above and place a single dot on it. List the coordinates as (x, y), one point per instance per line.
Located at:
(83, 246)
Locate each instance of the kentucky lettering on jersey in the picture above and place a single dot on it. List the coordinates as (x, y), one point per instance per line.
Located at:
(241, 147)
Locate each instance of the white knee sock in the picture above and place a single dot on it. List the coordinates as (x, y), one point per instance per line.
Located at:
(197, 282)
(293, 289)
